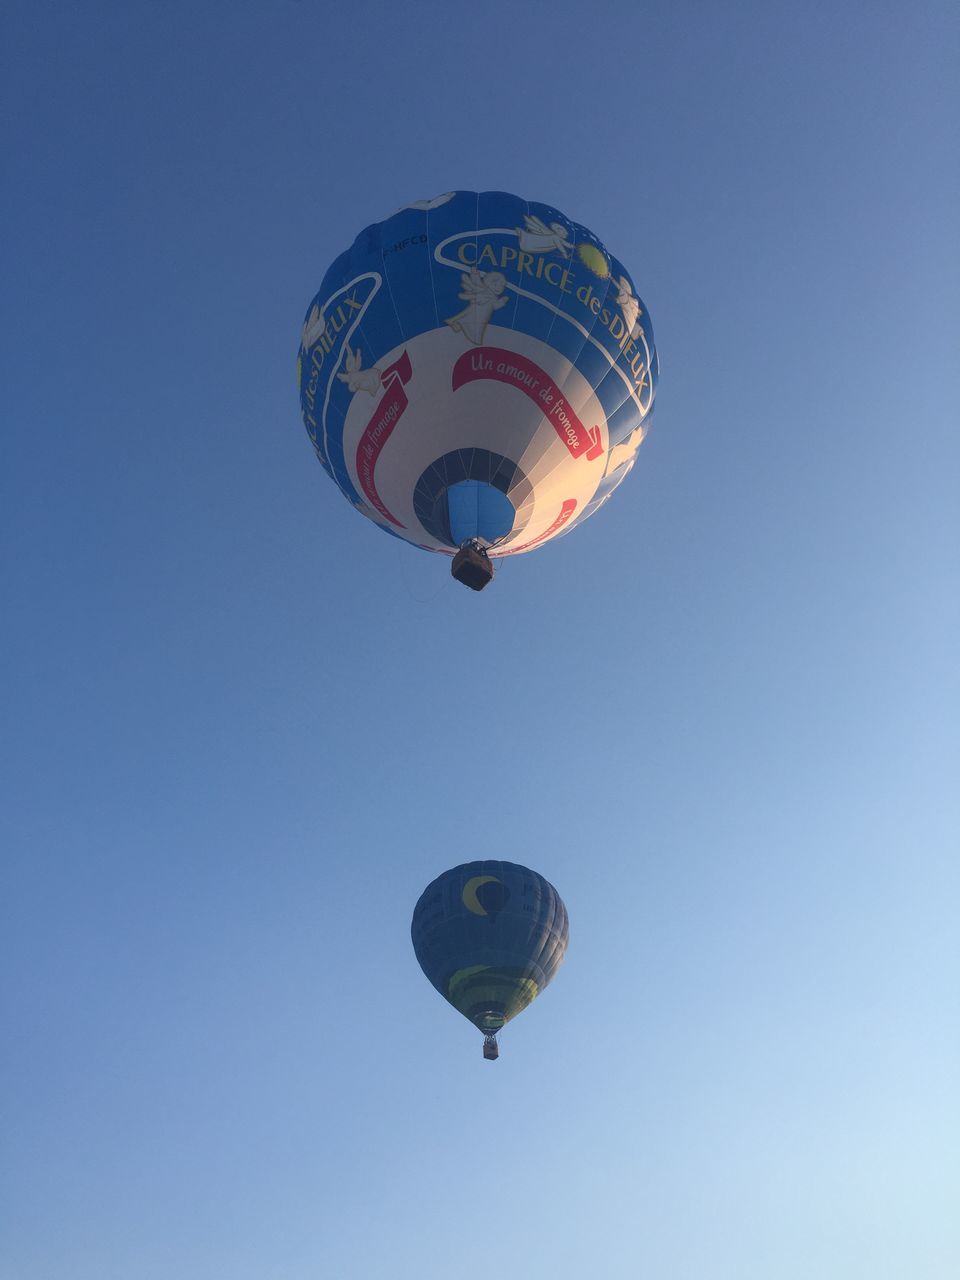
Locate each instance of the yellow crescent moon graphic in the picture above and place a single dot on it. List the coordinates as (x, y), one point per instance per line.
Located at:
(470, 899)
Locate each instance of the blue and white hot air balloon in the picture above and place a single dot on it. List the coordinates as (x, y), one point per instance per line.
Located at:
(476, 374)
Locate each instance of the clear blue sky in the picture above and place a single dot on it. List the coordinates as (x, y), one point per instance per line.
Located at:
(243, 728)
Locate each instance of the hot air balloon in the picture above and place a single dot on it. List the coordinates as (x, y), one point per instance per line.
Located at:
(476, 374)
(490, 936)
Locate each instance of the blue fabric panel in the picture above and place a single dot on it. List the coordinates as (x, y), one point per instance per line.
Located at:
(478, 510)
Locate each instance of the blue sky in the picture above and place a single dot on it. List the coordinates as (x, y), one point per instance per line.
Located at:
(245, 729)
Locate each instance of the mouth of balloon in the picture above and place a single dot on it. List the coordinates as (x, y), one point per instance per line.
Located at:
(478, 510)
(472, 494)
(489, 1022)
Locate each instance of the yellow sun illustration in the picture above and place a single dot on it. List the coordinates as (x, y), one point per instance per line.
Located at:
(593, 260)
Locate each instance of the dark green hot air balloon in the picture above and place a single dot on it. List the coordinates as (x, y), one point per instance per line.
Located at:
(490, 936)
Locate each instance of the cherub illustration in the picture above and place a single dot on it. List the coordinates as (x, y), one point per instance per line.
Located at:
(426, 205)
(537, 237)
(313, 328)
(482, 293)
(628, 304)
(356, 377)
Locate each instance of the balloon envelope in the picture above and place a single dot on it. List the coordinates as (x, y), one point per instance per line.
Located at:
(477, 368)
(490, 936)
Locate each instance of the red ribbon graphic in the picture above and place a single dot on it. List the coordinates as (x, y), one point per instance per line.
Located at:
(566, 511)
(379, 429)
(517, 371)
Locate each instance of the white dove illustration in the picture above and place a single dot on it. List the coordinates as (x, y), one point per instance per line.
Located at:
(626, 451)
(313, 328)
(356, 377)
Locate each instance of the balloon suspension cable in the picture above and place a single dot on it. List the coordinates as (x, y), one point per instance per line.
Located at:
(491, 1050)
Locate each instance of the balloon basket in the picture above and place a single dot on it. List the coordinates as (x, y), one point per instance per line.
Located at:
(491, 1050)
(471, 566)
